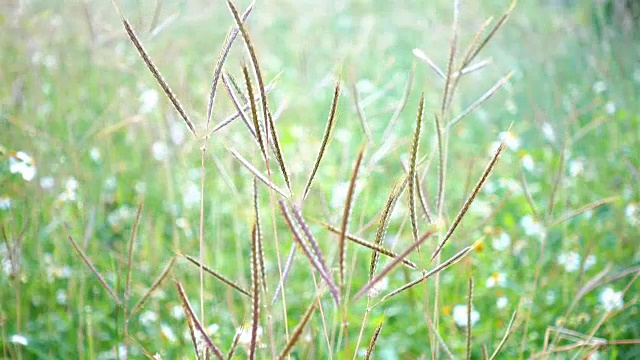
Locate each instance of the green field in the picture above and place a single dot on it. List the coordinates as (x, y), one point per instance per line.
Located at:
(549, 244)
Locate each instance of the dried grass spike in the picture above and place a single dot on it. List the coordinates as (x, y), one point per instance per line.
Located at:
(258, 235)
(325, 138)
(412, 170)
(154, 70)
(257, 174)
(342, 244)
(254, 113)
(156, 284)
(372, 343)
(255, 293)
(278, 151)
(469, 201)
(295, 336)
(216, 274)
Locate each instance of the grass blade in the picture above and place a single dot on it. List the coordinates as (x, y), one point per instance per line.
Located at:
(360, 112)
(391, 265)
(372, 246)
(454, 259)
(468, 329)
(257, 174)
(325, 138)
(467, 203)
(254, 113)
(342, 245)
(307, 252)
(95, 271)
(506, 336)
(295, 336)
(480, 100)
(412, 170)
(154, 70)
(427, 60)
(236, 103)
(441, 170)
(285, 273)
(217, 70)
(256, 68)
(278, 151)
(383, 225)
(400, 107)
(258, 231)
(372, 343)
(193, 322)
(234, 343)
(156, 284)
(499, 24)
(216, 274)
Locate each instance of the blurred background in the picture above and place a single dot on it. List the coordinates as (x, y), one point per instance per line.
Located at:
(86, 135)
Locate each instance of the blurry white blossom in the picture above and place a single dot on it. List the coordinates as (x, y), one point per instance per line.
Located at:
(589, 261)
(460, 315)
(497, 279)
(510, 139)
(527, 162)
(610, 108)
(599, 87)
(47, 183)
(570, 260)
(245, 334)
(379, 287)
(61, 296)
(531, 226)
(501, 242)
(69, 193)
(148, 317)
(502, 302)
(576, 167)
(632, 214)
(159, 150)
(19, 340)
(177, 312)
(21, 163)
(191, 196)
(548, 132)
(610, 299)
(95, 155)
(177, 132)
(5, 202)
(167, 333)
(148, 100)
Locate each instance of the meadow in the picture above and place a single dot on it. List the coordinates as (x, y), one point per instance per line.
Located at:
(367, 179)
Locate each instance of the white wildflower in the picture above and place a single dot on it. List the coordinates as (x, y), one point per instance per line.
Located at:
(548, 132)
(245, 334)
(632, 214)
(177, 132)
(191, 196)
(95, 155)
(531, 226)
(460, 315)
(610, 299)
(148, 317)
(599, 87)
(610, 108)
(159, 150)
(501, 242)
(148, 100)
(497, 279)
(177, 312)
(576, 167)
(570, 260)
(502, 302)
(589, 262)
(167, 333)
(527, 162)
(21, 163)
(19, 340)
(47, 183)
(5, 202)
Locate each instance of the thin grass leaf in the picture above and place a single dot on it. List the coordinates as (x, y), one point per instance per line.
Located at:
(295, 336)
(342, 244)
(469, 201)
(132, 239)
(454, 259)
(499, 24)
(216, 274)
(383, 225)
(257, 174)
(360, 113)
(254, 113)
(156, 284)
(466, 60)
(372, 246)
(392, 265)
(325, 138)
(441, 169)
(307, 252)
(451, 78)
(423, 202)
(475, 67)
(285, 273)
(256, 68)
(258, 231)
(297, 214)
(95, 271)
(234, 343)
(278, 151)
(480, 100)
(238, 107)
(372, 343)
(422, 56)
(468, 329)
(506, 336)
(154, 70)
(229, 119)
(583, 209)
(193, 321)
(217, 70)
(412, 171)
(255, 292)
(403, 102)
